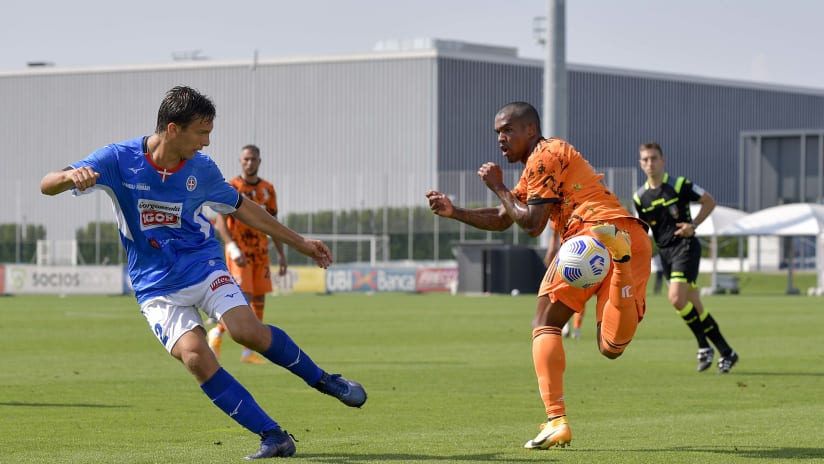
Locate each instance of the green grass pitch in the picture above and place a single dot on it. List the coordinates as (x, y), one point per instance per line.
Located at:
(450, 380)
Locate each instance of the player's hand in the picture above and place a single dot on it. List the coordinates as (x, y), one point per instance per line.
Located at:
(318, 251)
(83, 177)
(440, 204)
(685, 229)
(283, 266)
(491, 174)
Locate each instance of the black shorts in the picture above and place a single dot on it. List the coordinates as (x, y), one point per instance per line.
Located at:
(681, 261)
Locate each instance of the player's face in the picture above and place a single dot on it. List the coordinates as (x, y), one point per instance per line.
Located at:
(652, 162)
(192, 138)
(514, 137)
(249, 162)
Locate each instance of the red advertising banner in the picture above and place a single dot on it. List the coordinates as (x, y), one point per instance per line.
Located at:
(436, 279)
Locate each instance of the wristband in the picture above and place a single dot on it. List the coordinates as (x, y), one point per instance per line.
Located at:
(233, 250)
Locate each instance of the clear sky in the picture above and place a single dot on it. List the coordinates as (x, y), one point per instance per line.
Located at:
(772, 41)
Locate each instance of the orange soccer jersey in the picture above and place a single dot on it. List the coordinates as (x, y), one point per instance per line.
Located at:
(255, 277)
(556, 173)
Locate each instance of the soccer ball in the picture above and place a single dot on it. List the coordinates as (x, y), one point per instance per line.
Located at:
(583, 261)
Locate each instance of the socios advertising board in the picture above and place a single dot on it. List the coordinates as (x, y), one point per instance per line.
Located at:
(30, 279)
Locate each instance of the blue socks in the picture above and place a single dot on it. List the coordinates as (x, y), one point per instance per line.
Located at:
(284, 352)
(233, 399)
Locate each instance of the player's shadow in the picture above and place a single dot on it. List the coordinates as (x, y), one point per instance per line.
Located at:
(770, 454)
(757, 452)
(61, 405)
(778, 374)
(402, 457)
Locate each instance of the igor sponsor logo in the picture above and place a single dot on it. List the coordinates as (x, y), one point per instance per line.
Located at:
(155, 213)
(220, 281)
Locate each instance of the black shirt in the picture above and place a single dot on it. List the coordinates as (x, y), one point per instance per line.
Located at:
(665, 206)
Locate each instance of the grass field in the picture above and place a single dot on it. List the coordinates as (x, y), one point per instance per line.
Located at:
(450, 380)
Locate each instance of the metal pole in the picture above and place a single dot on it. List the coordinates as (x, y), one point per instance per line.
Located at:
(555, 102)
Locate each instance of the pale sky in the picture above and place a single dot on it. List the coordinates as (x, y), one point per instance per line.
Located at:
(769, 41)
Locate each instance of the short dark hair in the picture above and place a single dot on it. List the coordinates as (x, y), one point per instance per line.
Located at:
(253, 148)
(181, 106)
(523, 112)
(651, 146)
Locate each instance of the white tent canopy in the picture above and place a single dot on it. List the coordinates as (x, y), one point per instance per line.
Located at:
(720, 218)
(790, 220)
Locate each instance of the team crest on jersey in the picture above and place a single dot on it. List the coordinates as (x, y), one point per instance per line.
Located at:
(220, 281)
(154, 213)
(191, 183)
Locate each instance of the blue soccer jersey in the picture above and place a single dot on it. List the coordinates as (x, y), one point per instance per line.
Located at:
(170, 244)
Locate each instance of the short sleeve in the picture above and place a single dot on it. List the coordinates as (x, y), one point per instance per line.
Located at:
(104, 162)
(221, 197)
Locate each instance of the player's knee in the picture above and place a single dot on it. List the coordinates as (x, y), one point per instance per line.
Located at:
(610, 354)
(678, 302)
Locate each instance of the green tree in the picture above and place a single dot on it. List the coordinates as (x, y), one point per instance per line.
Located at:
(110, 249)
(29, 235)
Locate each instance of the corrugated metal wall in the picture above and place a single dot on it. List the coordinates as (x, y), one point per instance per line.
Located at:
(339, 134)
(469, 95)
(697, 123)
(372, 130)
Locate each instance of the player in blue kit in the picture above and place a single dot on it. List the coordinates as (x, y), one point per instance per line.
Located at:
(159, 185)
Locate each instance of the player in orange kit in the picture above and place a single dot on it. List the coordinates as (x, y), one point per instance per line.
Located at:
(247, 249)
(560, 186)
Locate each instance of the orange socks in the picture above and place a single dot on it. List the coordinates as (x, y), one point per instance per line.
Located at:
(550, 363)
(257, 308)
(620, 320)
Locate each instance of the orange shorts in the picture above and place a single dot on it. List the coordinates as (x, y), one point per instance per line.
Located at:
(559, 290)
(255, 278)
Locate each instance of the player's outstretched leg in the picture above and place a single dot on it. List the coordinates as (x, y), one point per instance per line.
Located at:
(286, 353)
(349, 392)
(625, 305)
(275, 443)
(554, 432)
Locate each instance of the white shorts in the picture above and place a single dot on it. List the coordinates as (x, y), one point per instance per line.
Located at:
(171, 316)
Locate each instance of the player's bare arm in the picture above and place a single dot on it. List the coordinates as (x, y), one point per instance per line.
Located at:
(494, 219)
(254, 216)
(686, 229)
(232, 248)
(59, 181)
(532, 219)
(282, 265)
